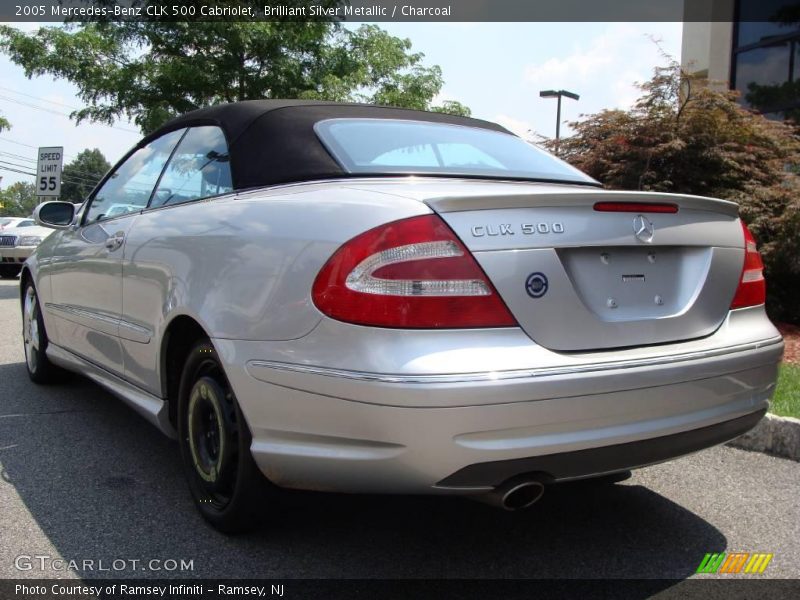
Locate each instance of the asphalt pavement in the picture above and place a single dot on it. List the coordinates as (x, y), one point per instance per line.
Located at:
(83, 478)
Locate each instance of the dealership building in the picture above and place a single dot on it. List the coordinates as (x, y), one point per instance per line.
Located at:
(757, 53)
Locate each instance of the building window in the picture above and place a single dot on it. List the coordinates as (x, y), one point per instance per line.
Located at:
(766, 65)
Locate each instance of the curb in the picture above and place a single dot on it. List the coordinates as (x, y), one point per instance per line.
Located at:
(779, 436)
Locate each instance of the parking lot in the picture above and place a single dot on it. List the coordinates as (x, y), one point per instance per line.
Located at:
(84, 478)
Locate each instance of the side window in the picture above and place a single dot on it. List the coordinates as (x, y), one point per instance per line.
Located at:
(199, 168)
(130, 186)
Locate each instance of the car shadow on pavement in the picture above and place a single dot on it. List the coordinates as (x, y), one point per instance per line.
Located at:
(101, 483)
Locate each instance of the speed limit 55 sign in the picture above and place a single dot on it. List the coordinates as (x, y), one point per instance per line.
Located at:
(48, 171)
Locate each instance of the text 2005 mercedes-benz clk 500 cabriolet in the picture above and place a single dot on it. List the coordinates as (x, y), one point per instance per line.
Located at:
(362, 299)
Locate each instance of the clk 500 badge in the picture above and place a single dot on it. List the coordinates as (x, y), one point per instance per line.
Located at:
(523, 228)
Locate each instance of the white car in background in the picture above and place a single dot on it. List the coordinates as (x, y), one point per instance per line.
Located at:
(9, 222)
(17, 243)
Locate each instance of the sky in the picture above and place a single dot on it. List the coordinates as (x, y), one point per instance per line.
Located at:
(496, 69)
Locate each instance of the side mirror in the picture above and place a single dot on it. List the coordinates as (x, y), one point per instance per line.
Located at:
(56, 214)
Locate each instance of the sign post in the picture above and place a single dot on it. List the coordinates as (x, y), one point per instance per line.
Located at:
(48, 171)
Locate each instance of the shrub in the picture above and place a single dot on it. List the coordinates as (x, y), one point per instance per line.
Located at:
(684, 137)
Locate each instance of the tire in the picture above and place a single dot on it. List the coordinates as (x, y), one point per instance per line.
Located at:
(35, 341)
(10, 271)
(227, 487)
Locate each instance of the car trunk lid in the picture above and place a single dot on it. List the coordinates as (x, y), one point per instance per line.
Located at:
(577, 278)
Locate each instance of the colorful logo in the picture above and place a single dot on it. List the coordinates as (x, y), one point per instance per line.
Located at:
(735, 562)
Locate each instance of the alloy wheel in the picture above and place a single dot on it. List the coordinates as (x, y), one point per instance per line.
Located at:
(30, 329)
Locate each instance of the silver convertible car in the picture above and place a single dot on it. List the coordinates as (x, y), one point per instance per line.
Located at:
(353, 298)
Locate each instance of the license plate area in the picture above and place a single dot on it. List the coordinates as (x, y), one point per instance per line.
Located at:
(634, 283)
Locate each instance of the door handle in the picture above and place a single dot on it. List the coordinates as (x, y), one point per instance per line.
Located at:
(115, 241)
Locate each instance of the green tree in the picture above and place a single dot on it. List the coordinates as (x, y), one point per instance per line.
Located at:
(149, 72)
(80, 176)
(452, 107)
(684, 137)
(18, 200)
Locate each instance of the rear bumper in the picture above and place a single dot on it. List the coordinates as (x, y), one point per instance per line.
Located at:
(337, 431)
(605, 459)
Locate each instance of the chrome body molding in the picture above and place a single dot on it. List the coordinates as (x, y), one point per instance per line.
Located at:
(133, 332)
(102, 322)
(152, 408)
(255, 365)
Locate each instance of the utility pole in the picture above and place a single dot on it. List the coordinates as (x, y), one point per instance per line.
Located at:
(558, 94)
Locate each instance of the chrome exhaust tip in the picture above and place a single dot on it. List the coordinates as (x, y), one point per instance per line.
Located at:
(514, 494)
(523, 495)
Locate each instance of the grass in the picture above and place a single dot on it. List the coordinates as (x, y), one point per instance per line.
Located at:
(787, 395)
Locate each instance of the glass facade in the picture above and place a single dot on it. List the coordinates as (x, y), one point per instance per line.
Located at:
(765, 66)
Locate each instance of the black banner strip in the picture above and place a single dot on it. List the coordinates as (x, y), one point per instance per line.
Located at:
(436, 11)
(733, 588)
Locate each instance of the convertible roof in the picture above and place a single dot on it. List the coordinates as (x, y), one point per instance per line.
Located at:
(273, 141)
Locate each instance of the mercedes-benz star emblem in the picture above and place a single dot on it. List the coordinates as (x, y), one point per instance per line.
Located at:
(643, 229)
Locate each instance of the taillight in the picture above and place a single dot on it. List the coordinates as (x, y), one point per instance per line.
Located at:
(413, 273)
(752, 289)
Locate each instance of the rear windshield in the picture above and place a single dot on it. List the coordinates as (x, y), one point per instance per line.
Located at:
(398, 146)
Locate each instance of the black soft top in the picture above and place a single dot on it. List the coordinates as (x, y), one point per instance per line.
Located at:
(273, 141)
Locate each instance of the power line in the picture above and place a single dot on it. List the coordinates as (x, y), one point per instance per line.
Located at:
(79, 181)
(72, 178)
(15, 164)
(87, 176)
(29, 105)
(17, 171)
(86, 182)
(19, 156)
(33, 160)
(23, 157)
(5, 159)
(5, 139)
(13, 91)
(91, 179)
(73, 170)
(10, 167)
(10, 141)
(59, 113)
